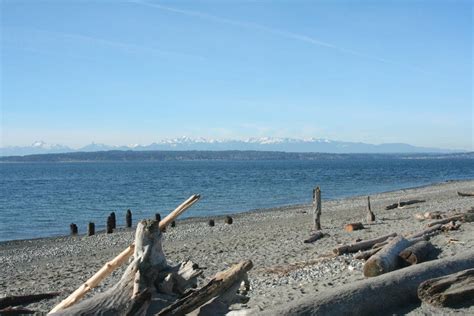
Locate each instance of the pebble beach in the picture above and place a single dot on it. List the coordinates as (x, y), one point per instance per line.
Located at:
(285, 268)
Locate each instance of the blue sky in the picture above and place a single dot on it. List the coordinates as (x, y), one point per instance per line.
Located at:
(73, 72)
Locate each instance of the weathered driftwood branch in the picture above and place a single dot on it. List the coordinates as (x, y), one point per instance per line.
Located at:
(362, 245)
(370, 214)
(417, 252)
(25, 299)
(353, 226)
(123, 256)
(387, 259)
(364, 255)
(465, 194)
(427, 232)
(317, 209)
(392, 290)
(454, 290)
(446, 220)
(221, 283)
(402, 204)
(314, 236)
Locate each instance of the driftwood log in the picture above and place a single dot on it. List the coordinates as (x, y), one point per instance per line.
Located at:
(16, 311)
(361, 245)
(25, 299)
(314, 236)
(402, 204)
(353, 226)
(364, 255)
(222, 282)
(427, 232)
(446, 220)
(392, 290)
(387, 259)
(465, 194)
(148, 235)
(454, 290)
(417, 253)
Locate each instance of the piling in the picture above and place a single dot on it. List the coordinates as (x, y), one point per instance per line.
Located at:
(73, 228)
(128, 219)
(91, 229)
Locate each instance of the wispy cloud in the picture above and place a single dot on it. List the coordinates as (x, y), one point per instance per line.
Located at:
(274, 31)
(36, 36)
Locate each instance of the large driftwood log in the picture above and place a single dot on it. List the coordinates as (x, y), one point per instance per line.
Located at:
(110, 266)
(221, 283)
(387, 259)
(454, 290)
(402, 204)
(362, 245)
(392, 290)
(417, 252)
(25, 299)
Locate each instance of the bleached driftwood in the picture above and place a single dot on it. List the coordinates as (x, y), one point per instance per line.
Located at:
(362, 245)
(427, 232)
(387, 258)
(392, 290)
(454, 290)
(364, 255)
(221, 283)
(147, 243)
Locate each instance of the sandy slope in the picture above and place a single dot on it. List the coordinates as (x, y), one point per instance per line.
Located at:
(272, 239)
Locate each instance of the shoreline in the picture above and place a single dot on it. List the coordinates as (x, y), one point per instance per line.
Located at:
(271, 238)
(205, 218)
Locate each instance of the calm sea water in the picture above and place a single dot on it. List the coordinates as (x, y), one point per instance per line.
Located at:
(42, 199)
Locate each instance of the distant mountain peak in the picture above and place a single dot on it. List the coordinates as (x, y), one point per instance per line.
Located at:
(286, 144)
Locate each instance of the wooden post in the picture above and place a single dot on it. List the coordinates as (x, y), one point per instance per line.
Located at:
(110, 229)
(73, 228)
(113, 220)
(158, 217)
(173, 224)
(317, 209)
(228, 220)
(370, 214)
(128, 218)
(91, 229)
(211, 222)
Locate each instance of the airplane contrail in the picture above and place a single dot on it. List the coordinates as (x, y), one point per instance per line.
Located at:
(282, 33)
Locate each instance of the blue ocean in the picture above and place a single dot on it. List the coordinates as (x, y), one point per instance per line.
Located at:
(42, 199)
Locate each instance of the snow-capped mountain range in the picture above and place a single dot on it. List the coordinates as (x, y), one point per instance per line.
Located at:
(262, 144)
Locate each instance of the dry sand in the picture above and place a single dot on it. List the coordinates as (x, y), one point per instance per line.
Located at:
(284, 267)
